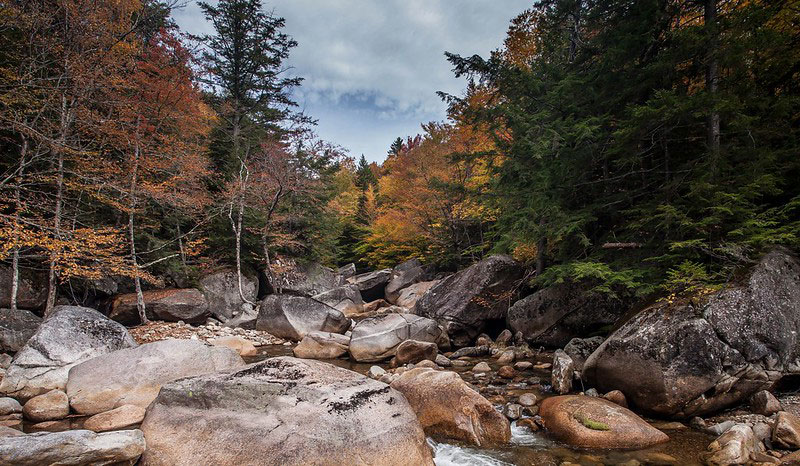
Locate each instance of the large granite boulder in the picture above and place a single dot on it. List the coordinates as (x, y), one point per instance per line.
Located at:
(171, 305)
(283, 411)
(346, 299)
(16, 327)
(71, 335)
(467, 302)
(409, 295)
(221, 290)
(448, 408)
(133, 376)
(699, 356)
(403, 276)
(347, 271)
(289, 277)
(322, 345)
(293, 317)
(377, 338)
(31, 289)
(553, 316)
(372, 285)
(74, 447)
(591, 422)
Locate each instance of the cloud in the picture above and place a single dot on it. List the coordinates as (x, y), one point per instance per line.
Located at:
(377, 64)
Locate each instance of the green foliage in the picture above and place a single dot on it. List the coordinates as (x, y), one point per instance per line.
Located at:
(688, 278)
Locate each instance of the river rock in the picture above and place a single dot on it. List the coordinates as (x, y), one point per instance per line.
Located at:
(466, 302)
(786, 431)
(322, 345)
(527, 399)
(31, 291)
(9, 406)
(506, 372)
(171, 305)
(377, 338)
(579, 349)
(736, 446)
(409, 295)
(413, 351)
(765, 403)
(372, 285)
(553, 316)
(75, 447)
(221, 291)
(617, 397)
(403, 276)
(71, 334)
(346, 298)
(481, 367)
(16, 327)
(241, 345)
(289, 277)
(49, 406)
(115, 419)
(471, 351)
(563, 369)
(134, 376)
(588, 422)
(448, 408)
(283, 411)
(687, 359)
(293, 317)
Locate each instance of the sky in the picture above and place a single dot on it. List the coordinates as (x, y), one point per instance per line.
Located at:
(371, 68)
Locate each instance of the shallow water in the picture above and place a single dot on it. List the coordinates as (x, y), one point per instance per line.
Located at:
(527, 447)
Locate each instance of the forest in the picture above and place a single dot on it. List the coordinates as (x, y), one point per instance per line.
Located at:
(648, 148)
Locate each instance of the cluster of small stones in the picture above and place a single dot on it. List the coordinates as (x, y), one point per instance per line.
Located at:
(155, 331)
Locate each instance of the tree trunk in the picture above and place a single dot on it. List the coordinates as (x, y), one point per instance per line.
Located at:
(17, 210)
(51, 279)
(540, 245)
(712, 84)
(238, 198)
(140, 307)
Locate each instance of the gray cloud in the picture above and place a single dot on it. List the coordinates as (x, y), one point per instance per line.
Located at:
(372, 67)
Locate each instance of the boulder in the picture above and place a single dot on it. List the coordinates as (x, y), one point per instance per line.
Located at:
(283, 411)
(692, 358)
(346, 298)
(74, 447)
(736, 446)
(448, 408)
(467, 302)
(246, 320)
(579, 349)
(589, 422)
(31, 290)
(764, 403)
(413, 351)
(786, 431)
(50, 406)
(563, 369)
(616, 397)
(553, 316)
(221, 290)
(322, 345)
(289, 277)
(133, 376)
(372, 285)
(403, 276)
(241, 345)
(16, 327)
(71, 335)
(116, 419)
(409, 295)
(171, 305)
(347, 271)
(377, 338)
(293, 317)
(9, 406)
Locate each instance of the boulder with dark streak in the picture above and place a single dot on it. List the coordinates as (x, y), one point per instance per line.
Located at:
(293, 317)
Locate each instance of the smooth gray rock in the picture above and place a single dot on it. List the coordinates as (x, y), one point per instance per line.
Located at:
(377, 338)
(413, 351)
(71, 335)
(690, 359)
(293, 317)
(346, 299)
(372, 285)
(283, 411)
(466, 302)
(9, 406)
(16, 327)
(403, 276)
(172, 305)
(409, 296)
(133, 376)
(221, 290)
(322, 345)
(553, 316)
(74, 447)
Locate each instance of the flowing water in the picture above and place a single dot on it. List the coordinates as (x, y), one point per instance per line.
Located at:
(527, 447)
